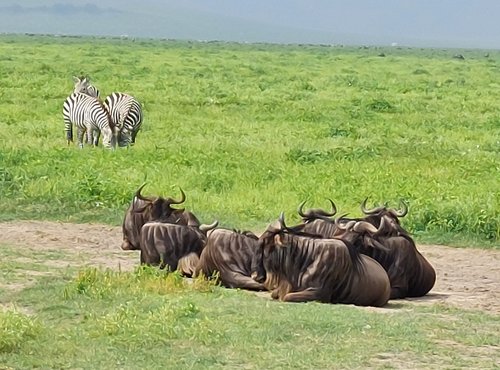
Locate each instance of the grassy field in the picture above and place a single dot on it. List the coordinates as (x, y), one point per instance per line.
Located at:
(251, 130)
(89, 318)
(247, 131)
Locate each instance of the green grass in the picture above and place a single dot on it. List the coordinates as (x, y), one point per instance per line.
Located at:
(247, 131)
(149, 319)
(251, 130)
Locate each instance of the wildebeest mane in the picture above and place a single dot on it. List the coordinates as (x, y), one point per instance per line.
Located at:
(354, 253)
(299, 231)
(247, 233)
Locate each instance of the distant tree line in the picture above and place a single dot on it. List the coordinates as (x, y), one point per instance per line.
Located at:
(58, 8)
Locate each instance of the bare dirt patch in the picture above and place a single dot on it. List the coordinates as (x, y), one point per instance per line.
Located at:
(466, 278)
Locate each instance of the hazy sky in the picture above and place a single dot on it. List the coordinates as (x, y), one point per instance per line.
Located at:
(438, 23)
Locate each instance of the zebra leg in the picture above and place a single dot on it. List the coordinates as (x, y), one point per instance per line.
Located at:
(89, 136)
(79, 134)
(96, 135)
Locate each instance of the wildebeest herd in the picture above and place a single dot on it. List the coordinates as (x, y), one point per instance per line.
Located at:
(363, 261)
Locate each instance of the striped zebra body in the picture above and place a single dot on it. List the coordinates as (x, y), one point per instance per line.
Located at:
(126, 113)
(89, 115)
(82, 85)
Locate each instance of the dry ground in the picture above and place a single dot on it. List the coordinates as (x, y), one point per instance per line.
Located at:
(466, 278)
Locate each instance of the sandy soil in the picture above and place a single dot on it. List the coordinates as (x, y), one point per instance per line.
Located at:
(467, 278)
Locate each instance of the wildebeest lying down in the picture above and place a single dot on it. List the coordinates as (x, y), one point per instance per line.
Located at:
(410, 274)
(230, 253)
(165, 244)
(300, 268)
(145, 209)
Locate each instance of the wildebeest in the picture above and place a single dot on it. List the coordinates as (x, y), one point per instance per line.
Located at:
(410, 274)
(144, 209)
(297, 267)
(164, 244)
(230, 253)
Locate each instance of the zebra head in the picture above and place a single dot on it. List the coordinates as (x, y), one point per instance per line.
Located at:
(125, 138)
(83, 85)
(109, 139)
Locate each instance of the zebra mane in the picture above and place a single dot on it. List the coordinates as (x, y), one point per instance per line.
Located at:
(112, 124)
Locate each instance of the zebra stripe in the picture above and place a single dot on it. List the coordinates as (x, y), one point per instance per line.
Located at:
(89, 115)
(126, 113)
(83, 85)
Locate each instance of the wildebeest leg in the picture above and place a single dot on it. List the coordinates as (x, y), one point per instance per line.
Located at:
(309, 294)
(237, 280)
(275, 294)
(166, 261)
(398, 292)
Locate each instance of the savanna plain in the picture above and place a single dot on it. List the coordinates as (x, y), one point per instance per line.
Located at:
(247, 131)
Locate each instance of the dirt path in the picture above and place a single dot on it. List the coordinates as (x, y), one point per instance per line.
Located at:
(467, 278)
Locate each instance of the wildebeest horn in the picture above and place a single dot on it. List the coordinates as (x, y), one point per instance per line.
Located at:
(138, 193)
(348, 224)
(381, 226)
(404, 209)
(183, 198)
(282, 221)
(370, 211)
(363, 226)
(318, 213)
(301, 212)
(334, 209)
(205, 227)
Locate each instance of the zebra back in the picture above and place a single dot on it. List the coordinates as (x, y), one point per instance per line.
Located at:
(88, 114)
(126, 113)
(83, 85)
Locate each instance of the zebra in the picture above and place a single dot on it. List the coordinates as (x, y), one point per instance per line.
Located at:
(125, 110)
(88, 114)
(82, 85)
(126, 113)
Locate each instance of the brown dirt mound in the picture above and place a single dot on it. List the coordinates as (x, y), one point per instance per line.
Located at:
(466, 278)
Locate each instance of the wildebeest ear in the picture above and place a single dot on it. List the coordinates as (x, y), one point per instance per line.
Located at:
(275, 225)
(135, 205)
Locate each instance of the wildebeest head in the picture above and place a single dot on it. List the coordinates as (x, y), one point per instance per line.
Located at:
(144, 209)
(316, 213)
(267, 244)
(391, 216)
(361, 234)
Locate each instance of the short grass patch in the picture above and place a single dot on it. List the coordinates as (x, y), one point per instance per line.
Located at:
(148, 318)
